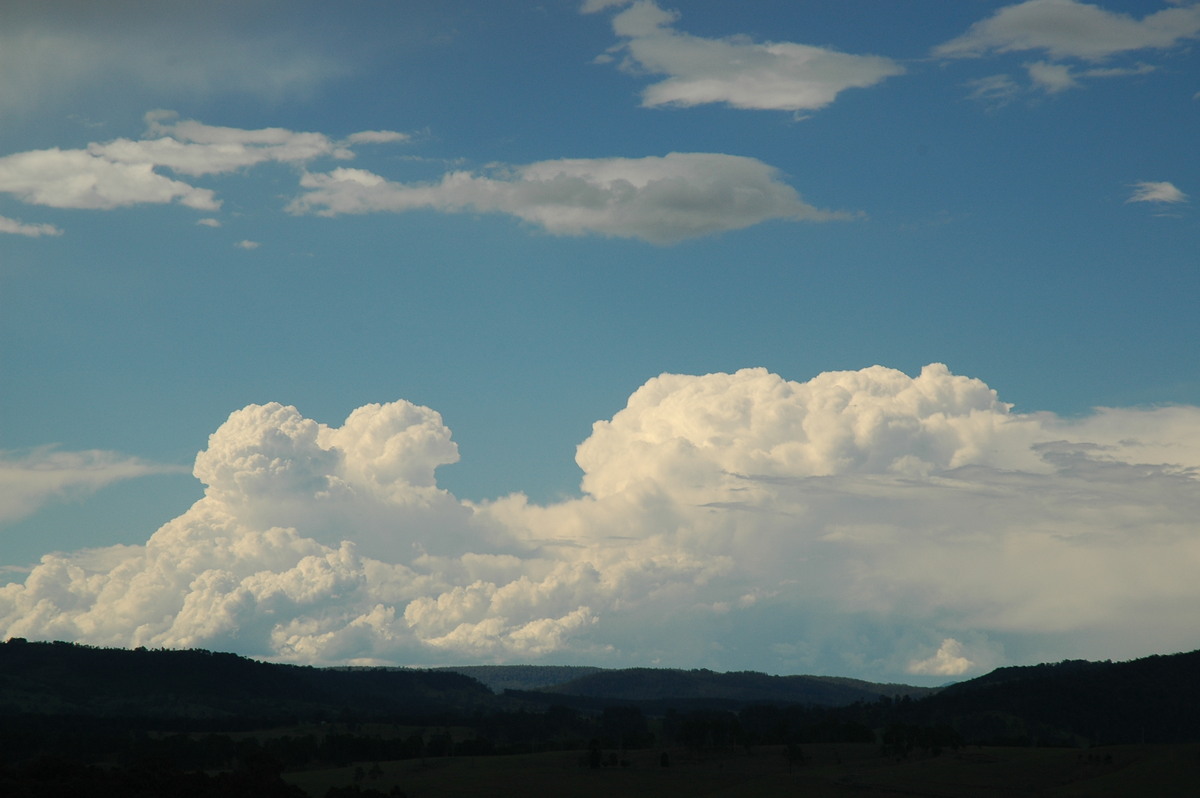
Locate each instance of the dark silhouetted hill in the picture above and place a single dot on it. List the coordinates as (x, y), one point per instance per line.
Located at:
(1152, 700)
(1155, 699)
(69, 679)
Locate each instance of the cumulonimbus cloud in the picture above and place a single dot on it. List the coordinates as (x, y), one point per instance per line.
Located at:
(865, 522)
(782, 76)
(658, 199)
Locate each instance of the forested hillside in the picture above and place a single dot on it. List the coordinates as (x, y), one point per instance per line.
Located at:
(68, 679)
(121, 718)
(1154, 699)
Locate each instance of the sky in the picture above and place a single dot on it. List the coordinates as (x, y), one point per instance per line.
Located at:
(846, 338)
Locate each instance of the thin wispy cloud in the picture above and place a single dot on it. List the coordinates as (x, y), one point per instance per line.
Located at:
(1054, 78)
(1157, 191)
(1051, 78)
(996, 90)
(31, 479)
(19, 228)
(55, 51)
(592, 6)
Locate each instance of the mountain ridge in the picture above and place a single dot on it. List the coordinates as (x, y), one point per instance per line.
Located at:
(1073, 702)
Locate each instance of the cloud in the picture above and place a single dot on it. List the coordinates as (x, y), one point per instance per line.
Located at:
(28, 480)
(743, 74)
(1055, 78)
(658, 199)
(54, 51)
(15, 227)
(124, 172)
(377, 137)
(592, 6)
(80, 179)
(662, 199)
(1066, 30)
(862, 522)
(996, 90)
(248, 244)
(1156, 191)
(756, 426)
(1051, 78)
(1070, 29)
(948, 661)
(192, 148)
(209, 222)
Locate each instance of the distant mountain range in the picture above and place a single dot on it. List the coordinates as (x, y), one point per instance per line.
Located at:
(522, 677)
(665, 684)
(1155, 699)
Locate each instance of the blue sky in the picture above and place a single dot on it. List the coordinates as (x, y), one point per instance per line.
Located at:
(484, 228)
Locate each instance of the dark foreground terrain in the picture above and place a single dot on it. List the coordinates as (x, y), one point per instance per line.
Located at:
(827, 770)
(76, 720)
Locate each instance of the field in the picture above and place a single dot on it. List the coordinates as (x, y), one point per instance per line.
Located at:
(827, 771)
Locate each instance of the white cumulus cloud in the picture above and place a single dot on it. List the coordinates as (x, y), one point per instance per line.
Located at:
(658, 199)
(948, 661)
(80, 179)
(862, 522)
(743, 74)
(126, 172)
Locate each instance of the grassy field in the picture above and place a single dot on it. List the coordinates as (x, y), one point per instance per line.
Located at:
(828, 771)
